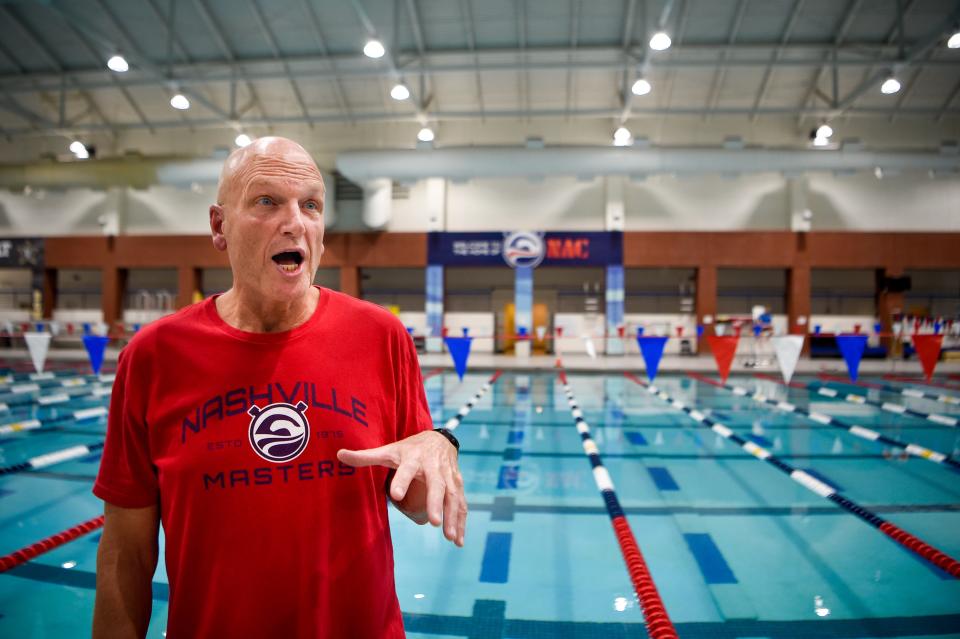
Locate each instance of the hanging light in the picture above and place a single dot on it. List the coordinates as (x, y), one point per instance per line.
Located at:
(890, 86)
(79, 149)
(824, 131)
(180, 101)
(660, 41)
(118, 63)
(426, 134)
(622, 137)
(400, 91)
(954, 41)
(373, 49)
(818, 141)
(641, 87)
(242, 140)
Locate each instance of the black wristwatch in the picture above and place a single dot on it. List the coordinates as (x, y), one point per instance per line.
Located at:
(449, 435)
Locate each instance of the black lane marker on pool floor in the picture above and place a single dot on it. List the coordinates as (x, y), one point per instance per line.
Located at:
(828, 420)
(814, 485)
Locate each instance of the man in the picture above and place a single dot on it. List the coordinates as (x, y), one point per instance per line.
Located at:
(258, 428)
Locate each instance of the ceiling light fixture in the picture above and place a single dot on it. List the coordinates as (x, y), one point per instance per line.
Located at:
(79, 149)
(660, 41)
(118, 63)
(242, 140)
(180, 101)
(954, 41)
(622, 137)
(400, 91)
(426, 134)
(641, 87)
(890, 86)
(373, 49)
(824, 131)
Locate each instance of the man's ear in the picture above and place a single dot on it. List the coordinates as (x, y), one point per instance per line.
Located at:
(216, 227)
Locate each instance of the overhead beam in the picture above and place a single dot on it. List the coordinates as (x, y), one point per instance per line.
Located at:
(318, 67)
(278, 55)
(130, 48)
(716, 84)
(467, 115)
(853, 7)
(52, 60)
(218, 36)
(784, 37)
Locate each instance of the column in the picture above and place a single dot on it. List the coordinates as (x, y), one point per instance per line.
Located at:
(798, 300)
(706, 299)
(889, 303)
(434, 308)
(49, 292)
(615, 302)
(350, 280)
(114, 287)
(188, 282)
(523, 306)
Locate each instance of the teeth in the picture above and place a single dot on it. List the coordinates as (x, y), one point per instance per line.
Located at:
(289, 268)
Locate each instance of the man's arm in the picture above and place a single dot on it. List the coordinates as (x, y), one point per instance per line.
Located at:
(126, 561)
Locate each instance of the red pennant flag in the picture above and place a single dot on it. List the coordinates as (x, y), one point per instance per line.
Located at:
(928, 350)
(723, 348)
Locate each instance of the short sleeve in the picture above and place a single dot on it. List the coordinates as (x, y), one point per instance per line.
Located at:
(128, 477)
(413, 412)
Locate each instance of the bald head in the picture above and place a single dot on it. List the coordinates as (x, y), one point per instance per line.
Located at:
(268, 157)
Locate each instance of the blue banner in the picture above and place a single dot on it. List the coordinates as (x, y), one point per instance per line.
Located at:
(525, 248)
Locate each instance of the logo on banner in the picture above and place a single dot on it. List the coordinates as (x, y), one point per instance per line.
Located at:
(523, 248)
(279, 432)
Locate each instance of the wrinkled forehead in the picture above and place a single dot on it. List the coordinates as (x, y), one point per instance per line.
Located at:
(287, 165)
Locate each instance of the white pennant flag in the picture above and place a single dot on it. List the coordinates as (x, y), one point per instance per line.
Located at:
(788, 349)
(590, 346)
(38, 344)
(541, 332)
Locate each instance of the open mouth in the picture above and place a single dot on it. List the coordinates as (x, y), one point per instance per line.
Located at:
(288, 261)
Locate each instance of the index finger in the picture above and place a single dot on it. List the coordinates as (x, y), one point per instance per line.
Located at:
(382, 456)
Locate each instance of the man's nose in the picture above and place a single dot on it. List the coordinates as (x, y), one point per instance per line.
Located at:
(292, 223)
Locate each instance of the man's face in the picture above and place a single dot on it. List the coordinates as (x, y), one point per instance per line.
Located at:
(270, 220)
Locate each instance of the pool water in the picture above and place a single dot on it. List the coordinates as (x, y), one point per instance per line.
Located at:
(736, 548)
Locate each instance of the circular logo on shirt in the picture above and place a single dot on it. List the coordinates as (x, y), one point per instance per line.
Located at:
(523, 248)
(279, 432)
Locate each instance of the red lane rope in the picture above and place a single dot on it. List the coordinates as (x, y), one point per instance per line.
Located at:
(699, 378)
(435, 371)
(919, 381)
(658, 621)
(24, 555)
(922, 548)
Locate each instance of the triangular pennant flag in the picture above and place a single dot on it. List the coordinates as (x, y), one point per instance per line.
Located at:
(652, 350)
(541, 332)
(459, 348)
(95, 345)
(851, 347)
(928, 350)
(723, 348)
(38, 344)
(787, 348)
(590, 346)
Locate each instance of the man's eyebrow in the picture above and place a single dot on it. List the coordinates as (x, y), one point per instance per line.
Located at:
(260, 185)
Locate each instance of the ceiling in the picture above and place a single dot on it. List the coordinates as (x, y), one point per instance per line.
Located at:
(479, 71)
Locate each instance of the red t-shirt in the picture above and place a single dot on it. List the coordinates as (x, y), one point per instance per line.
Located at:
(235, 436)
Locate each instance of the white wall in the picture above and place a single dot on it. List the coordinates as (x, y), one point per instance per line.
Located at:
(906, 202)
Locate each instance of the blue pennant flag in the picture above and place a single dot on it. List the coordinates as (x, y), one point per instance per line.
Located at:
(852, 347)
(95, 345)
(459, 348)
(652, 350)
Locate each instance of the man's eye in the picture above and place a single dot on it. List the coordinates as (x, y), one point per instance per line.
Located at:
(265, 201)
(313, 206)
